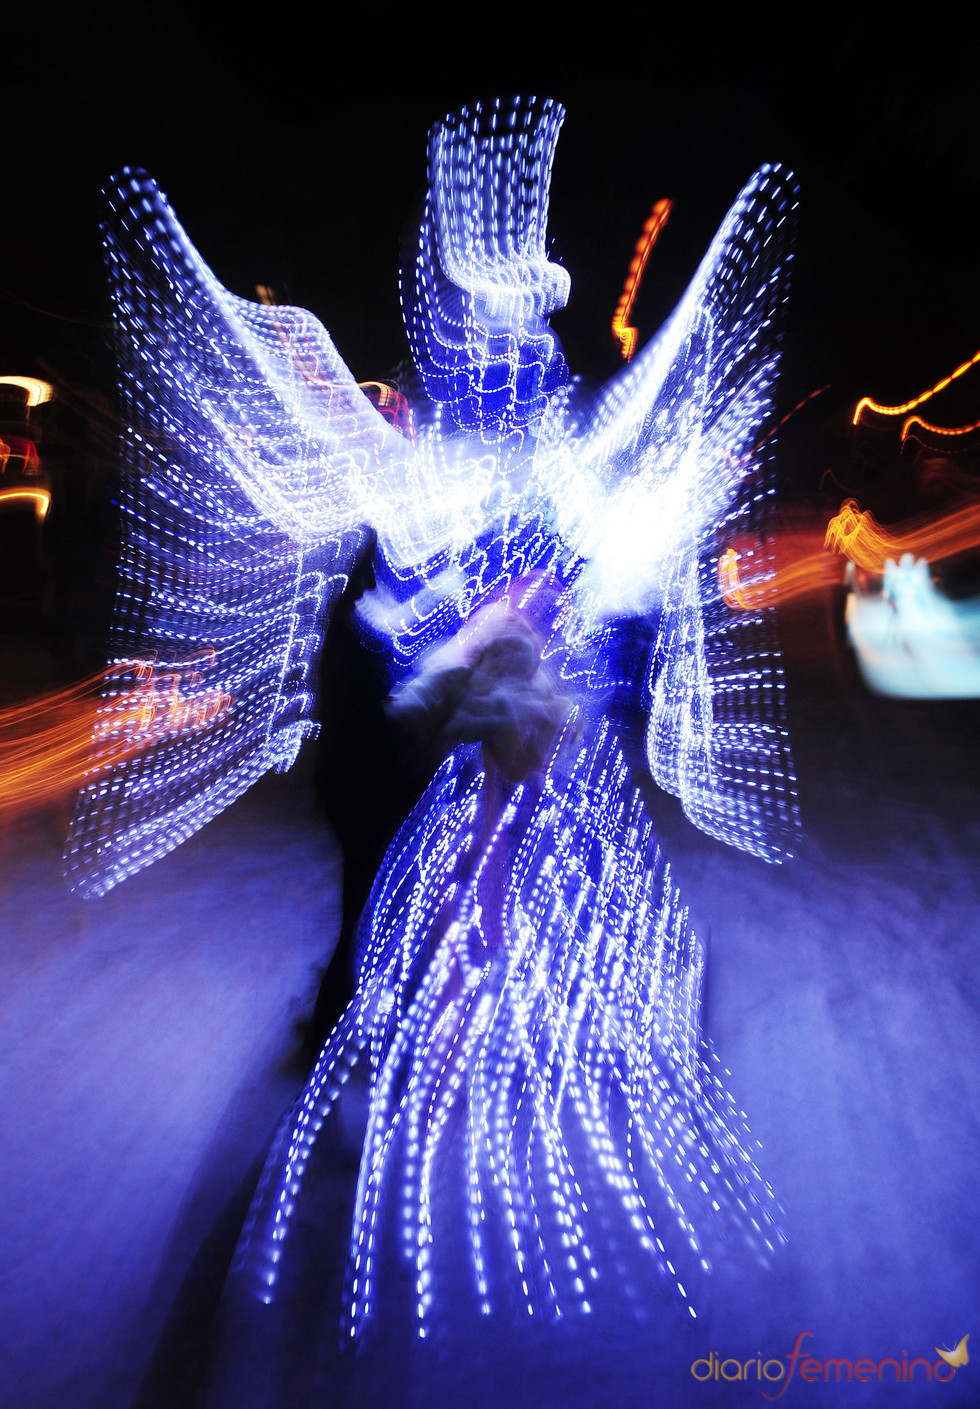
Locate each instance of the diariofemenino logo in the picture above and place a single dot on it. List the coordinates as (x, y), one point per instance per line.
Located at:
(773, 1373)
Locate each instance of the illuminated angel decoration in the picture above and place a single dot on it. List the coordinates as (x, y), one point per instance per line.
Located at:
(527, 1007)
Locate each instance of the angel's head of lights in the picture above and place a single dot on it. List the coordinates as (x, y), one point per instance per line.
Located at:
(480, 288)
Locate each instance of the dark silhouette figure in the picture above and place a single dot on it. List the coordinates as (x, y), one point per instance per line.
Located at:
(364, 786)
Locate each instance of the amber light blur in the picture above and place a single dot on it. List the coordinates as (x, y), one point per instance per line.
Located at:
(18, 447)
(866, 403)
(50, 745)
(40, 498)
(859, 537)
(392, 404)
(37, 391)
(914, 424)
(802, 571)
(852, 534)
(626, 334)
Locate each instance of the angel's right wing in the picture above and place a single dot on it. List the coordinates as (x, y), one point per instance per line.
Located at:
(251, 457)
(670, 468)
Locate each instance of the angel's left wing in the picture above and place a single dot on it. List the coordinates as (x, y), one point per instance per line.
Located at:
(251, 457)
(669, 469)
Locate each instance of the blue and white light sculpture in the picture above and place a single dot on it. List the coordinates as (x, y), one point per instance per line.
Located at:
(527, 1006)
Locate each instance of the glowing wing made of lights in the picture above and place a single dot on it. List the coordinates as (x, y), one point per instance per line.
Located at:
(668, 469)
(251, 456)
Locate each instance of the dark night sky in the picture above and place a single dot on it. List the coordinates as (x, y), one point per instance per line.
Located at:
(294, 156)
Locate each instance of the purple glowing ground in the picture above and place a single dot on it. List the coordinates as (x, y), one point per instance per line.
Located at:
(145, 1039)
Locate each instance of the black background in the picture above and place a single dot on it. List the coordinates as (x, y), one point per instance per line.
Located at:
(292, 147)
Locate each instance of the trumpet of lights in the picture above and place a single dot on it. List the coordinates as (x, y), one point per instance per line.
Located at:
(529, 986)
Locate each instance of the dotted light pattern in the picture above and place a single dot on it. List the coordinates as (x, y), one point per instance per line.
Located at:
(527, 1006)
(867, 404)
(252, 455)
(621, 327)
(676, 441)
(481, 288)
(528, 992)
(249, 452)
(645, 489)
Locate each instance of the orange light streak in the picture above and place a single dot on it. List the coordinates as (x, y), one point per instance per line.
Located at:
(626, 334)
(866, 403)
(41, 498)
(728, 579)
(853, 535)
(808, 572)
(37, 391)
(21, 448)
(52, 744)
(805, 401)
(907, 428)
(859, 537)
